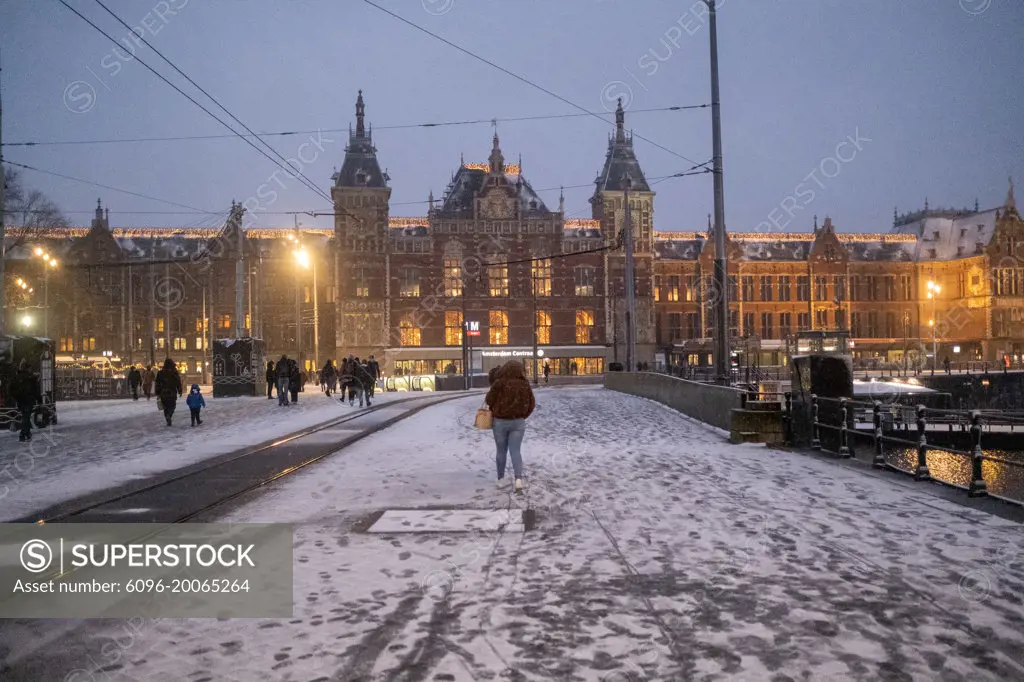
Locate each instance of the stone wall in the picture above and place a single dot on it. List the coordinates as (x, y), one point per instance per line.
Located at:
(704, 402)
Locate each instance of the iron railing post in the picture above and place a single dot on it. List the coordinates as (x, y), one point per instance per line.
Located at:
(922, 473)
(978, 487)
(789, 417)
(815, 434)
(879, 461)
(844, 448)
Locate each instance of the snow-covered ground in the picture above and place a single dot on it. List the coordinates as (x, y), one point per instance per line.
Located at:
(101, 444)
(661, 553)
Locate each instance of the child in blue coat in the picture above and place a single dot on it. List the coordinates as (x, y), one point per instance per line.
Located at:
(195, 403)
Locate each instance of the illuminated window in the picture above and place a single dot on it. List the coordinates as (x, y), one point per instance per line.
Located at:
(199, 325)
(585, 282)
(67, 344)
(182, 367)
(200, 343)
(410, 287)
(497, 278)
(452, 277)
(223, 322)
(657, 288)
(498, 327)
(541, 272)
(248, 321)
(161, 343)
(543, 326)
(307, 296)
(199, 368)
(158, 324)
(584, 325)
(180, 343)
(409, 333)
(361, 283)
(88, 343)
(673, 288)
(452, 328)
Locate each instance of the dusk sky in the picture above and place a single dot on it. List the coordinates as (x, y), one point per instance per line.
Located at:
(930, 89)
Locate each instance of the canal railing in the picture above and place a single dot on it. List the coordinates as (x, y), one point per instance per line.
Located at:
(845, 415)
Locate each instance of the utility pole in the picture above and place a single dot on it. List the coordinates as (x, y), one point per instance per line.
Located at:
(630, 285)
(298, 307)
(206, 345)
(236, 222)
(467, 352)
(3, 176)
(534, 277)
(131, 314)
(722, 359)
(316, 319)
(152, 305)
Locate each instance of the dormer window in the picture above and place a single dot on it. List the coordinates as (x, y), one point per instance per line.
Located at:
(963, 232)
(360, 177)
(932, 253)
(533, 204)
(935, 235)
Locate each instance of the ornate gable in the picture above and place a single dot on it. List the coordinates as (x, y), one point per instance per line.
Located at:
(827, 249)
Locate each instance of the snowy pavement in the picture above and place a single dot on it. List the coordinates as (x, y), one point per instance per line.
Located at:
(102, 444)
(661, 553)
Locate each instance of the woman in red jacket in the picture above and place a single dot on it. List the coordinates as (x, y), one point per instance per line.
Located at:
(511, 401)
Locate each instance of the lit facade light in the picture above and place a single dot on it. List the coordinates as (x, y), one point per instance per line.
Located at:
(931, 323)
(53, 263)
(27, 321)
(39, 251)
(302, 256)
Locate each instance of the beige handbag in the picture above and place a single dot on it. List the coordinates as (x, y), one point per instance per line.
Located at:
(484, 419)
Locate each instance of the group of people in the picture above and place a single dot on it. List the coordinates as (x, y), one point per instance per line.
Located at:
(168, 385)
(141, 378)
(354, 377)
(287, 378)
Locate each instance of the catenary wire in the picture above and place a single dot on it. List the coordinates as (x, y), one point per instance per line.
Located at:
(282, 133)
(186, 95)
(514, 75)
(309, 183)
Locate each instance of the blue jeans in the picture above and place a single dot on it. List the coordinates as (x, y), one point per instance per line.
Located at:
(508, 437)
(282, 391)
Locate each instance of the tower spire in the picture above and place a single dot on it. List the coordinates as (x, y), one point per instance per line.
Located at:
(360, 114)
(1011, 201)
(561, 200)
(496, 159)
(976, 207)
(895, 216)
(620, 123)
(99, 210)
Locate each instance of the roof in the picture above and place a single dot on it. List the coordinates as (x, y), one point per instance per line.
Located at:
(787, 246)
(620, 160)
(469, 180)
(950, 237)
(360, 167)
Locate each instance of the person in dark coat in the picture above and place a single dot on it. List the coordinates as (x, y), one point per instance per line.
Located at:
(363, 382)
(271, 379)
(373, 370)
(134, 381)
(196, 403)
(547, 373)
(294, 380)
(329, 378)
(168, 388)
(147, 382)
(282, 375)
(511, 401)
(25, 393)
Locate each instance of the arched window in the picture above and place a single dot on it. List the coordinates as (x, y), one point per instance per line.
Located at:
(409, 334)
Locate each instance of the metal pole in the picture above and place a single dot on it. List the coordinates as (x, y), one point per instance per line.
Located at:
(152, 306)
(236, 219)
(721, 279)
(316, 320)
(206, 346)
(535, 380)
(167, 311)
(46, 298)
(3, 298)
(630, 285)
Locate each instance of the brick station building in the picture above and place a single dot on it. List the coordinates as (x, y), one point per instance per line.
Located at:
(490, 251)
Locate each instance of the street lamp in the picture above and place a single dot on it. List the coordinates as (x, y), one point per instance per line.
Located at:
(50, 262)
(26, 321)
(304, 259)
(933, 294)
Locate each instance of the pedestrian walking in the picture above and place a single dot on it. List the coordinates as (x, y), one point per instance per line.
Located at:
(294, 380)
(329, 377)
(573, 368)
(373, 373)
(511, 401)
(282, 381)
(25, 393)
(147, 382)
(271, 379)
(195, 403)
(134, 381)
(168, 388)
(354, 385)
(547, 372)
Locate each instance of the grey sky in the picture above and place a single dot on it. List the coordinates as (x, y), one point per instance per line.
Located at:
(934, 85)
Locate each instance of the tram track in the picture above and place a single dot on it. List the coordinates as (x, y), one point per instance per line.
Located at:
(277, 459)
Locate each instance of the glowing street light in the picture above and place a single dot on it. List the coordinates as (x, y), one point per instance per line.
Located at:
(302, 256)
(933, 293)
(26, 321)
(39, 251)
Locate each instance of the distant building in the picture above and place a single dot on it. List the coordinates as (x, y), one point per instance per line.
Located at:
(492, 253)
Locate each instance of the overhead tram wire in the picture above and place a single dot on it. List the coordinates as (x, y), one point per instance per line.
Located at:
(111, 188)
(402, 126)
(289, 170)
(515, 75)
(213, 99)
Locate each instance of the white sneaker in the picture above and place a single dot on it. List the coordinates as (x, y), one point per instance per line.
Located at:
(519, 485)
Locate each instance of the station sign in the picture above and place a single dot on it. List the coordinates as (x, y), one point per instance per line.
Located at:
(472, 328)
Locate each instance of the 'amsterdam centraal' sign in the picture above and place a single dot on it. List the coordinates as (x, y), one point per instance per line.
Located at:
(511, 353)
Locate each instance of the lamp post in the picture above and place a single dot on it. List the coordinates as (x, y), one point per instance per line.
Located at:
(304, 259)
(933, 294)
(50, 262)
(722, 355)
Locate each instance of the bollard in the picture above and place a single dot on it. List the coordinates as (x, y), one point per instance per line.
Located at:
(815, 439)
(879, 461)
(922, 473)
(978, 487)
(844, 449)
